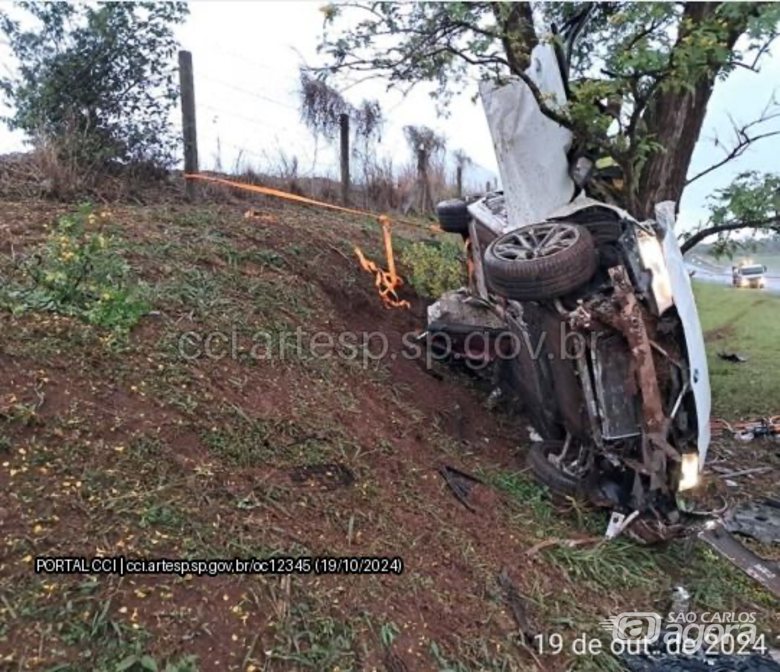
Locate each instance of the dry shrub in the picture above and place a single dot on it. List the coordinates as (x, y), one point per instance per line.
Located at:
(381, 192)
(52, 170)
(438, 187)
(287, 169)
(57, 169)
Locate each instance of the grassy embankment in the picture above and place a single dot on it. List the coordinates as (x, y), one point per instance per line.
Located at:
(747, 322)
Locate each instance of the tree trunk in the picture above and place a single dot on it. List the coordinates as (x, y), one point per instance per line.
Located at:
(674, 119)
(425, 203)
(678, 118)
(516, 21)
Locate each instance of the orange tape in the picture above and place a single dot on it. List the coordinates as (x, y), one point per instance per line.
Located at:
(268, 191)
(386, 281)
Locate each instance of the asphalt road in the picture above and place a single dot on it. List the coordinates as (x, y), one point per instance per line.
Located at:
(722, 275)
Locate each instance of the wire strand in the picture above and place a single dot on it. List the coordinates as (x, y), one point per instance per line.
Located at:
(247, 92)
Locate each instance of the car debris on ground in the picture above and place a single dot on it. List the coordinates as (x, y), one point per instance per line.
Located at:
(733, 357)
(518, 605)
(460, 483)
(747, 430)
(759, 520)
(766, 572)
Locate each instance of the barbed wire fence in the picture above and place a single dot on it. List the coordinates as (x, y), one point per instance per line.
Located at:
(260, 133)
(257, 131)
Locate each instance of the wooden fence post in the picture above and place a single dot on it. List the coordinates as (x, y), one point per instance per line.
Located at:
(344, 121)
(189, 127)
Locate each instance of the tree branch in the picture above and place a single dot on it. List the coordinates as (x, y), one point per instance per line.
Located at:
(740, 148)
(548, 112)
(771, 224)
(743, 141)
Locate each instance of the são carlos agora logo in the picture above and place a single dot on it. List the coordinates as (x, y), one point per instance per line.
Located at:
(687, 633)
(644, 626)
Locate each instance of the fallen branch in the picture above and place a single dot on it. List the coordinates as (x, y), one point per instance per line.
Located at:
(746, 472)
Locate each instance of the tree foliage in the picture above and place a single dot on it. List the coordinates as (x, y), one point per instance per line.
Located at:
(100, 76)
(751, 201)
(461, 158)
(322, 106)
(639, 75)
(424, 139)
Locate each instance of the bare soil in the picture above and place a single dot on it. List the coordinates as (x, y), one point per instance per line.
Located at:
(133, 449)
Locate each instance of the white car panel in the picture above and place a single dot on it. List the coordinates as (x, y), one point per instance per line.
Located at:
(530, 148)
(689, 316)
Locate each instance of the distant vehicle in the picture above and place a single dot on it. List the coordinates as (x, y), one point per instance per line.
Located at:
(748, 275)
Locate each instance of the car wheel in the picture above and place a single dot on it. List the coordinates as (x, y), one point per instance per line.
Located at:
(540, 261)
(454, 216)
(548, 473)
(605, 225)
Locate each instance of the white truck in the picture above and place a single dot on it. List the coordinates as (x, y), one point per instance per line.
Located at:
(749, 275)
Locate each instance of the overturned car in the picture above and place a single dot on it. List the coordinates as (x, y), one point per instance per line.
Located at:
(586, 314)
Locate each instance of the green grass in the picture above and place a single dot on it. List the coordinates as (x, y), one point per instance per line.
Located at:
(182, 461)
(747, 323)
(618, 564)
(312, 640)
(524, 493)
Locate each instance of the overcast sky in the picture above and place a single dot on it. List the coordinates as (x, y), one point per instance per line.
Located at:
(246, 59)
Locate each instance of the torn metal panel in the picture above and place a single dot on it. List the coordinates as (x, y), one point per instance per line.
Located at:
(760, 521)
(476, 256)
(581, 203)
(763, 571)
(490, 214)
(531, 150)
(590, 401)
(652, 258)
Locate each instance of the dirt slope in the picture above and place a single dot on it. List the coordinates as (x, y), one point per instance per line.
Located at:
(142, 448)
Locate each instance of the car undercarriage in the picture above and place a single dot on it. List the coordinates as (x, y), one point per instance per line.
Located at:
(586, 315)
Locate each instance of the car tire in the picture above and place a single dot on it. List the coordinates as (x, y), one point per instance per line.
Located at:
(605, 225)
(454, 216)
(548, 474)
(551, 274)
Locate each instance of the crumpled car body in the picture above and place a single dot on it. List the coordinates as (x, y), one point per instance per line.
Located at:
(611, 368)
